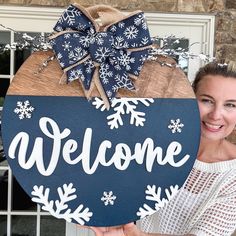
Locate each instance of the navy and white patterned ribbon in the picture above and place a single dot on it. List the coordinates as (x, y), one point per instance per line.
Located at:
(118, 52)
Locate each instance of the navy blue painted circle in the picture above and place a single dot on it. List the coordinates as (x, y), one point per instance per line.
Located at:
(70, 159)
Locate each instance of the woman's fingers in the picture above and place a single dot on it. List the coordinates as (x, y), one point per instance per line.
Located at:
(131, 229)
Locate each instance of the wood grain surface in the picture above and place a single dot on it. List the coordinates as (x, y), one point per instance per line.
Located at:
(155, 81)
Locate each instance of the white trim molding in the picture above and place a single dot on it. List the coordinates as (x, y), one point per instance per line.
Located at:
(29, 18)
(197, 28)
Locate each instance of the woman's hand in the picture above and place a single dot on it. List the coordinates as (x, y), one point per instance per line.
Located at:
(124, 230)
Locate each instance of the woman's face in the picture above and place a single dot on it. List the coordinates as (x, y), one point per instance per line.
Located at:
(216, 97)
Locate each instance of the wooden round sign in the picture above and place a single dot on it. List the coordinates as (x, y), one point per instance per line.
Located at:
(93, 166)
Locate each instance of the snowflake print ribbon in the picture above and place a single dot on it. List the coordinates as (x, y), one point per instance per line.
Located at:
(117, 53)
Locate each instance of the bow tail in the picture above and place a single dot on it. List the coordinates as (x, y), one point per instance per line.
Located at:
(100, 87)
(140, 57)
(108, 80)
(85, 73)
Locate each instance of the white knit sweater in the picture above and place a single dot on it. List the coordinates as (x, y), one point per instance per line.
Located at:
(205, 205)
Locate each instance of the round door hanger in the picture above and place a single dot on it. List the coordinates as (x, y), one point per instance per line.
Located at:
(93, 166)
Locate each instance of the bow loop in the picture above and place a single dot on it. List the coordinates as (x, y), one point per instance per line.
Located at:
(74, 19)
(117, 52)
(131, 32)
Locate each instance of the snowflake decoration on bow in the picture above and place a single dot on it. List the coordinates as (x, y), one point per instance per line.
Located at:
(117, 51)
(108, 198)
(24, 109)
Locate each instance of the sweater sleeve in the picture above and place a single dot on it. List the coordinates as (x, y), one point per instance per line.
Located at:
(219, 216)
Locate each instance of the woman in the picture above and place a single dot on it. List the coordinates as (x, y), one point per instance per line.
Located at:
(206, 204)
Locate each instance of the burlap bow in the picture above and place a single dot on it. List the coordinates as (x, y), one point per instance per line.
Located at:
(108, 56)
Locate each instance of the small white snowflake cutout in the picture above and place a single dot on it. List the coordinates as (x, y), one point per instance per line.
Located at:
(24, 109)
(175, 126)
(108, 198)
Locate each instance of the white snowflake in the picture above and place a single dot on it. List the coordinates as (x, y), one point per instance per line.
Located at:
(144, 41)
(99, 38)
(109, 93)
(120, 42)
(69, 15)
(140, 20)
(58, 28)
(131, 32)
(24, 109)
(66, 46)
(113, 29)
(76, 35)
(89, 66)
(123, 106)
(62, 64)
(154, 194)
(125, 59)
(85, 40)
(76, 55)
(102, 53)
(80, 26)
(175, 126)
(123, 82)
(76, 74)
(121, 24)
(59, 208)
(108, 198)
(105, 73)
(67, 36)
(59, 56)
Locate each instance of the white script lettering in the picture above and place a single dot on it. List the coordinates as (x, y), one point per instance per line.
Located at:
(121, 157)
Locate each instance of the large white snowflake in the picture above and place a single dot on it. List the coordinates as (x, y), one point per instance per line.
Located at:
(125, 59)
(175, 126)
(59, 208)
(24, 109)
(131, 32)
(108, 198)
(154, 194)
(123, 106)
(102, 53)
